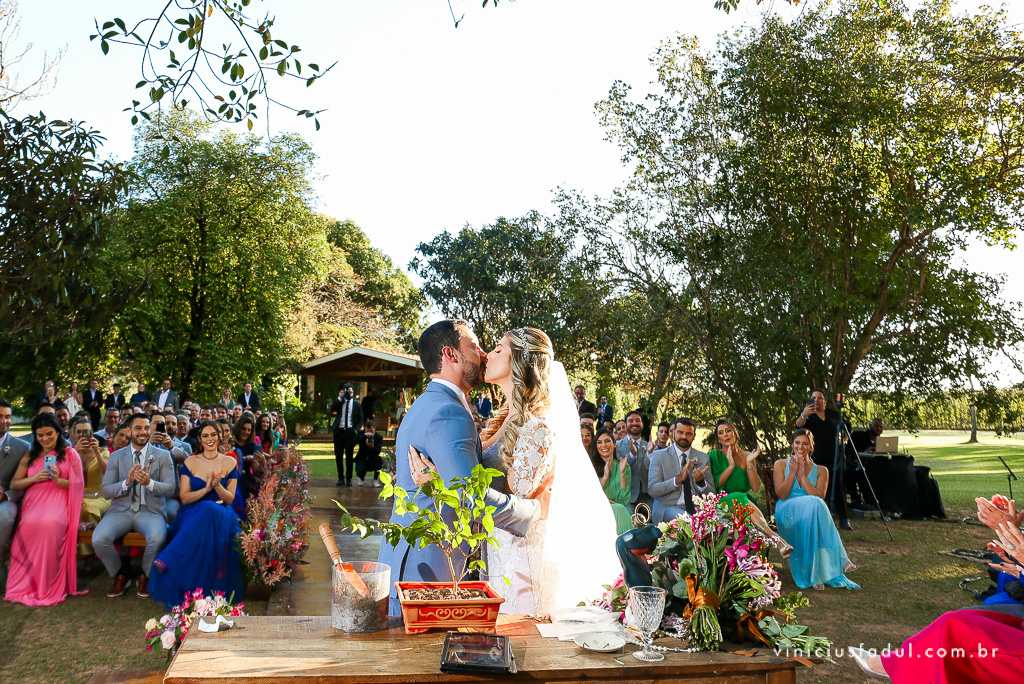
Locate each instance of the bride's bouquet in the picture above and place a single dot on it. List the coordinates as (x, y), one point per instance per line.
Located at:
(714, 569)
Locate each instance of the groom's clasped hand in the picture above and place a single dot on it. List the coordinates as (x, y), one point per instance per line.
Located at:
(422, 469)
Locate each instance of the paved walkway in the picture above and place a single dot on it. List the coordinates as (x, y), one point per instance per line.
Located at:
(309, 592)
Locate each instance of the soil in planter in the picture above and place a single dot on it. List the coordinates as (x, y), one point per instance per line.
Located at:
(444, 594)
(352, 612)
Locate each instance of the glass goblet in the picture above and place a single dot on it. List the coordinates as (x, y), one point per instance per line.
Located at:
(647, 606)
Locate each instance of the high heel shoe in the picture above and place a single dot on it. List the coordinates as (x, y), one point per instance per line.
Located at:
(861, 657)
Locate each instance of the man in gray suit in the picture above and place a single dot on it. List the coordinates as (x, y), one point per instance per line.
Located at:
(12, 450)
(440, 425)
(678, 473)
(138, 479)
(633, 448)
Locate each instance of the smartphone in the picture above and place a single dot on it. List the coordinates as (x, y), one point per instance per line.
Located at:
(159, 427)
(50, 461)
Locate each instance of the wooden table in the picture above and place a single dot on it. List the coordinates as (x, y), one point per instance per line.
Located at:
(307, 650)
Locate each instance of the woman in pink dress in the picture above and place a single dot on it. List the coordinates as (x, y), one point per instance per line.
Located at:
(43, 557)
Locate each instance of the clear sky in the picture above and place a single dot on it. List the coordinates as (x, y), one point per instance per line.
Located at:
(430, 127)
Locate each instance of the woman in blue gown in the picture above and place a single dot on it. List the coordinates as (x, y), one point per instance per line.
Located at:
(202, 553)
(803, 518)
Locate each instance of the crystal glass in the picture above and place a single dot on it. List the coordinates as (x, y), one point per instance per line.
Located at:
(647, 606)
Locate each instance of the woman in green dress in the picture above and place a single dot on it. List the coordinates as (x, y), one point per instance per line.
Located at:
(735, 472)
(616, 476)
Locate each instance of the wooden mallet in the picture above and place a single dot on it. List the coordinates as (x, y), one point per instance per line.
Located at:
(347, 570)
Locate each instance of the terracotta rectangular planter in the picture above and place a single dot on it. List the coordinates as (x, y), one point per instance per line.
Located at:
(479, 613)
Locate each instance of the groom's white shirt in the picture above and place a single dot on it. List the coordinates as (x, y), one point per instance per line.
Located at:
(458, 392)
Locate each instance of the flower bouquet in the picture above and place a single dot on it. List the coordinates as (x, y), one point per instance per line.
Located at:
(169, 631)
(275, 535)
(714, 568)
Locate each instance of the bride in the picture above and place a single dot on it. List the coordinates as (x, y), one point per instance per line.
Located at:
(569, 556)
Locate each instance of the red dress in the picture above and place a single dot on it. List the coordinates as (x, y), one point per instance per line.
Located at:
(976, 646)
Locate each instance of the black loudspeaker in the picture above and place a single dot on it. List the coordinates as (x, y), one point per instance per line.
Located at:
(928, 496)
(895, 483)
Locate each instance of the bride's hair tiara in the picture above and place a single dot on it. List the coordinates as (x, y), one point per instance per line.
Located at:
(520, 333)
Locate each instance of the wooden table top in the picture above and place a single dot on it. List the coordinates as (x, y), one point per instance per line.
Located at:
(308, 649)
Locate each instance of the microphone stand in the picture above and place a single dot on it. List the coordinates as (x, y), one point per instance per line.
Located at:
(1010, 476)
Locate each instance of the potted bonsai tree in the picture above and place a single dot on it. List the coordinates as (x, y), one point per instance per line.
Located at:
(447, 605)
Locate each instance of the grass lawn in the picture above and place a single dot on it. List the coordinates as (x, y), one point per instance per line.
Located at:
(906, 583)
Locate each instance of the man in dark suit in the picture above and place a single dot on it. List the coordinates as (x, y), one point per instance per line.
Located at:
(12, 450)
(92, 401)
(605, 411)
(582, 405)
(115, 399)
(249, 400)
(140, 397)
(368, 458)
(166, 398)
(483, 406)
(348, 417)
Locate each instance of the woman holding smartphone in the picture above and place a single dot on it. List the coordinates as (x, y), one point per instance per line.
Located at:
(43, 570)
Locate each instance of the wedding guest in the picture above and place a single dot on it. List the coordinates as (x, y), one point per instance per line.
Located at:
(348, 415)
(823, 424)
(63, 417)
(203, 553)
(587, 435)
(195, 414)
(368, 458)
(73, 399)
(281, 427)
(48, 395)
(678, 473)
(249, 400)
(588, 419)
(980, 644)
(633, 448)
(115, 399)
(267, 439)
(236, 413)
(244, 432)
(111, 418)
(619, 430)
(166, 398)
(864, 440)
(43, 568)
(177, 441)
(819, 557)
(735, 472)
(605, 411)
(91, 401)
(222, 413)
(94, 467)
(120, 438)
(250, 460)
(138, 482)
(661, 440)
(582, 405)
(369, 404)
(227, 401)
(483, 406)
(181, 430)
(12, 450)
(615, 475)
(994, 514)
(141, 396)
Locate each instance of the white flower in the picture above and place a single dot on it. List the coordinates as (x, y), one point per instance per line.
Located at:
(167, 639)
(165, 619)
(151, 624)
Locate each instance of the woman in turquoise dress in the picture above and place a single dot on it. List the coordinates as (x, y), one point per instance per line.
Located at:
(202, 553)
(819, 557)
(616, 477)
(735, 472)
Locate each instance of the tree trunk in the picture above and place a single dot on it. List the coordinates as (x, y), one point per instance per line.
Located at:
(974, 425)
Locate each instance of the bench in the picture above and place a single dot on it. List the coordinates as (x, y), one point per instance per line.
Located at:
(130, 539)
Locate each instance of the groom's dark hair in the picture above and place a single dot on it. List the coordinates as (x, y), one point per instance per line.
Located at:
(446, 333)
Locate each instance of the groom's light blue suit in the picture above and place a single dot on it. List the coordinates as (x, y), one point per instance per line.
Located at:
(441, 429)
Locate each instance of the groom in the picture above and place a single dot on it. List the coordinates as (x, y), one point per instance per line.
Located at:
(440, 426)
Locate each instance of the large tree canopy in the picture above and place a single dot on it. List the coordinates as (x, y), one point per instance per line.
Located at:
(222, 231)
(800, 196)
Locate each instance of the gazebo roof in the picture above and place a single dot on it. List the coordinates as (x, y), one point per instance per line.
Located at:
(366, 364)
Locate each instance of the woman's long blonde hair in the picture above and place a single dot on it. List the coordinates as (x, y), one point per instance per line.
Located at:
(531, 356)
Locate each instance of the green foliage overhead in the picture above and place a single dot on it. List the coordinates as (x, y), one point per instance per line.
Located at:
(800, 195)
(380, 285)
(222, 231)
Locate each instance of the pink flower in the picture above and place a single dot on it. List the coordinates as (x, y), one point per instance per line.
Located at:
(736, 553)
(167, 639)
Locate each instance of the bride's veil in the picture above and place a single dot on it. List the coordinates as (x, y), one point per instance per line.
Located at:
(579, 546)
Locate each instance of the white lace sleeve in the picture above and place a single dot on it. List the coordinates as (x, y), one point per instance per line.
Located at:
(532, 461)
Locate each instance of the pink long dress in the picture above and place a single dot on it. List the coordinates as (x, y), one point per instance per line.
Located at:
(43, 557)
(961, 646)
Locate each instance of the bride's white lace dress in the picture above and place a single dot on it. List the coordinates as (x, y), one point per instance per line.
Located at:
(519, 558)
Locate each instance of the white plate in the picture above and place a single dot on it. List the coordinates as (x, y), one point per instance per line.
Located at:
(602, 643)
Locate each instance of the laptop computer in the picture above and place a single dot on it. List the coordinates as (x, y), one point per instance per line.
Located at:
(887, 445)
